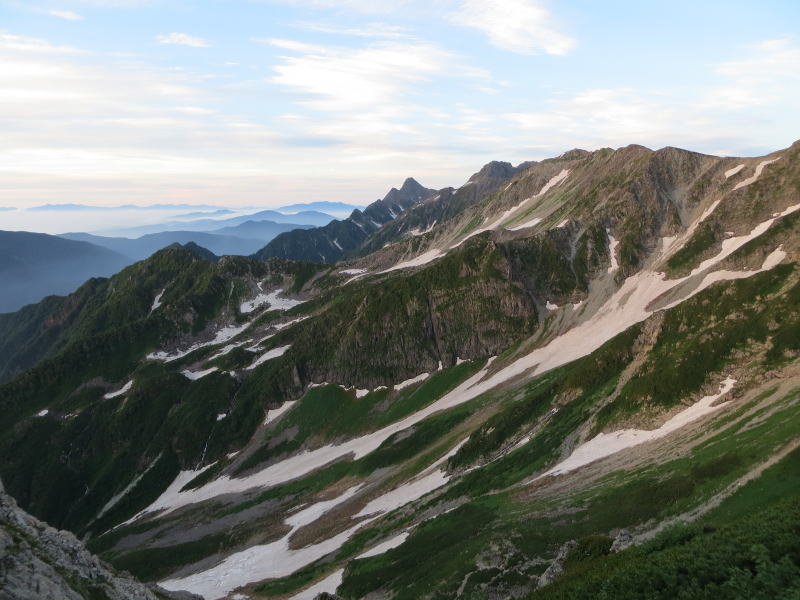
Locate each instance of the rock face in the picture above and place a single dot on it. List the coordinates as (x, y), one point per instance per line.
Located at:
(38, 562)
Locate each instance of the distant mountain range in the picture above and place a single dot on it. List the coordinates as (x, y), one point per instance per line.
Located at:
(307, 218)
(144, 246)
(35, 265)
(334, 208)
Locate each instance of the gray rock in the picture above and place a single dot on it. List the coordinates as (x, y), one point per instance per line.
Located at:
(556, 568)
(624, 539)
(38, 562)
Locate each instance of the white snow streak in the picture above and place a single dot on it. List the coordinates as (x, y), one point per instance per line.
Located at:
(526, 224)
(612, 251)
(387, 545)
(554, 181)
(195, 375)
(265, 561)
(276, 413)
(329, 584)
(352, 271)
(157, 300)
(123, 390)
(42, 413)
(731, 172)
(420, 260)
(606, 444)
(310, 460)
(269, 355)
(412, 381)
(756, 174)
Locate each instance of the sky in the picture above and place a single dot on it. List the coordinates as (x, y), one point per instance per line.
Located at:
(268, 102)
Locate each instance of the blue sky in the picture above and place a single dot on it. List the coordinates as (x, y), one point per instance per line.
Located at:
(266, 102)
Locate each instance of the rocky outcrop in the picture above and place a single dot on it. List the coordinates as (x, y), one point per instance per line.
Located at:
(38, 562)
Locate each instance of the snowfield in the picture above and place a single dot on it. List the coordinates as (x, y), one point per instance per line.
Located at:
(274, 300)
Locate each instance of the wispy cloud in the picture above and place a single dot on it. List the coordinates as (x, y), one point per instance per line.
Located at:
(370, 30)
(67, 15)
(336, 78)
(182, 39)
(521, 26)
(22, 43)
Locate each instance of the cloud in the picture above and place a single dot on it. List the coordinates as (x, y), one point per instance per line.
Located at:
(25, 44)
(771, 72)
(335, 78)
(182, 39)
(67, 15)
(521, 26)
(373, 30)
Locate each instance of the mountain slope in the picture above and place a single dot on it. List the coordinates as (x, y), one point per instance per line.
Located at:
(35, 265)
(597, 348)
(331, 242)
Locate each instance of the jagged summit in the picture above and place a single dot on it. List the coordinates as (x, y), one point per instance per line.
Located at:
(333, 241)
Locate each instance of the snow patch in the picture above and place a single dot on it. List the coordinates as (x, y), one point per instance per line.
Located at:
(612, 251)
(731, 172)
(526, 224)
(329, 585)
(221, 416)
(123, 390)
(551, 306)
(269, 355)
(276, 413)
(43, 413)
(195, 375)
(266, 561)
(412, 381)
(606, 444)
(393, 542)
(756, 174)
(273, 299)
(157, 300)
(352, 271)
(223, 335)
(554, 181)
(420, 260)
(417, 231)
(562, 224)
(280, 326)
(310, 460)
